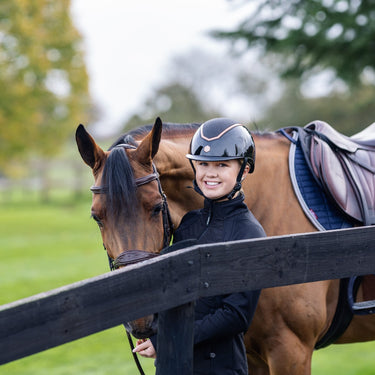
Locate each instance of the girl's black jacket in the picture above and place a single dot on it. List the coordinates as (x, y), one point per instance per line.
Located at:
(221, 321)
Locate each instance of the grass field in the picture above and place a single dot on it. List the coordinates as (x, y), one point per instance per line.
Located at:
(43, 247)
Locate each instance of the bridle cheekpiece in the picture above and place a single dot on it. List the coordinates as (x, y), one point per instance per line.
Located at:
(128, 257)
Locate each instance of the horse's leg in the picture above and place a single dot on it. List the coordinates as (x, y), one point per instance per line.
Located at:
(284, 353)
(288, 322)
(291, 356)
(361, 328)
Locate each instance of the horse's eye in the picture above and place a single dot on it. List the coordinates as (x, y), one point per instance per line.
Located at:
(157, 209)
(98, 221)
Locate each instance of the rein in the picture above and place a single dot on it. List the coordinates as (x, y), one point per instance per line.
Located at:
(134, 256)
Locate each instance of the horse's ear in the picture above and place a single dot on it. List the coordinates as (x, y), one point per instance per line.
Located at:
(90, 152)
(148, 148)
(156, 136)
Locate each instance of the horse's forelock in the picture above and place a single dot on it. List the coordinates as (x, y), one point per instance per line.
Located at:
(118, 180)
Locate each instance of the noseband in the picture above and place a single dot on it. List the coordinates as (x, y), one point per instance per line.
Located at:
(134, 256)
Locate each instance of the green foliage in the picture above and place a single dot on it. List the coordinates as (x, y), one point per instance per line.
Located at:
(310, 35)
(348, 113)
(198, 85)
(43, 79)
(174, 102)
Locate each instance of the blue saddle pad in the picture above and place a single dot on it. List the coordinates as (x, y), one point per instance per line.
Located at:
(325, 215)
(321, 211)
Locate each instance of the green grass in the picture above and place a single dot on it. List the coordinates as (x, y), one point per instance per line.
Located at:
(348, 359)
(43, 247)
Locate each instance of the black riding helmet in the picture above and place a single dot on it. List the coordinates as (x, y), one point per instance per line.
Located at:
(223, 139)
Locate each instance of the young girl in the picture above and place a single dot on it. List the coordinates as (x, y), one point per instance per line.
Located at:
(222, 154)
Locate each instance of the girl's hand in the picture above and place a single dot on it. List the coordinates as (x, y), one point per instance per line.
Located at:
(145, 349)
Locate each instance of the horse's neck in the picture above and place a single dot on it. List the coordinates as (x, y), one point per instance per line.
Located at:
(176, 177)
(268, 191)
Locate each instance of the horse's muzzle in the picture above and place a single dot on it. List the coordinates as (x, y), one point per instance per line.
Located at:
(142, 328)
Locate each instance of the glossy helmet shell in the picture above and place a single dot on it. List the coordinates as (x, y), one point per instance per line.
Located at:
(222, 139)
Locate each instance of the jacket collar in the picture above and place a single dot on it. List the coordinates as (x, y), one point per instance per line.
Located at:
(223, 208)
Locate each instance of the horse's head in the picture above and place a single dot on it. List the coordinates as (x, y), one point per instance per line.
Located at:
(128, 203)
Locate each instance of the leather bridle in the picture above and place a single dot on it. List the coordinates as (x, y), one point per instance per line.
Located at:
(128, 257)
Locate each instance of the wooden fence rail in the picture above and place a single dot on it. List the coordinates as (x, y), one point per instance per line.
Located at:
(68, 313)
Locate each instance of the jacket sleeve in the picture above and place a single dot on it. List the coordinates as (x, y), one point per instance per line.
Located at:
(232, 318)
(154, 340)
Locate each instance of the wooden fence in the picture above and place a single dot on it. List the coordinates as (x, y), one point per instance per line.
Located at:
(47, 179)
(169, 283)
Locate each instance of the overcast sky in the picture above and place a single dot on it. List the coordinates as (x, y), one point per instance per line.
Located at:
(128, 44)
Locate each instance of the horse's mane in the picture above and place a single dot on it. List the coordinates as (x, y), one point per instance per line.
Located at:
(170, 130)
(118, 177)
(265, 133)
(118, 180)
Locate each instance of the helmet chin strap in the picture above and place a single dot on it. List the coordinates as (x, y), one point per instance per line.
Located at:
(237, 187)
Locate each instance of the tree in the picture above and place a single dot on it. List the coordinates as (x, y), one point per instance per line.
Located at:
(312, 35)
(340, 110)
(173, 102)
(43, 79)
(200, 85)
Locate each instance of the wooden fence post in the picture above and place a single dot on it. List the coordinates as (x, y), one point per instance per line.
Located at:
(175, 341)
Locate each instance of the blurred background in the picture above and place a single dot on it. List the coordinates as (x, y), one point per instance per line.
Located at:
(116, 65)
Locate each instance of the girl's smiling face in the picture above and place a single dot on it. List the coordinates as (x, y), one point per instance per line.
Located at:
(216, 179)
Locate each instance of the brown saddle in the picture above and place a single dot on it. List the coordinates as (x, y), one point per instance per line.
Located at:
(343, 166)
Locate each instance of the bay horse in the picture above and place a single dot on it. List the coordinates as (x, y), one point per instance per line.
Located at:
(130, 208)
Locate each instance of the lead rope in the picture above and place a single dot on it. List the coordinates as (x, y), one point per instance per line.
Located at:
(136, 359)
(168, 237)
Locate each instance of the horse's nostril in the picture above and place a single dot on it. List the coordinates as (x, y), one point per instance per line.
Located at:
(142, 328)
(131, 257)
